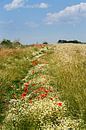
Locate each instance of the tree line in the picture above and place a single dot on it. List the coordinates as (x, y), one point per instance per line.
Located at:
(9, 44)
(70, 41)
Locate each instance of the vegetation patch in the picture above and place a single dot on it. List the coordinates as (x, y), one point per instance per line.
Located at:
(43, 87)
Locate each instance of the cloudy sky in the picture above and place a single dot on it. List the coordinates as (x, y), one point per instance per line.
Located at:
(32, 21)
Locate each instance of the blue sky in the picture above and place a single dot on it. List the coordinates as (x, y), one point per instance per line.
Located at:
(32, 21)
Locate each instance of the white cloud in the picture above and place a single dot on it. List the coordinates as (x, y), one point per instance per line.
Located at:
(40, 5)
(22, 3)
(69, 14)
(14, 4)
(43, 5)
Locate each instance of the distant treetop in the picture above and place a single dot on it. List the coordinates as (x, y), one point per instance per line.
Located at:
(45, 42)
(9, 44)
(70, 41)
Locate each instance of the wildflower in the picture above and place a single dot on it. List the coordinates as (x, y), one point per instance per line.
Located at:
(35, 91)
(38, 90)
(41, 89)
(33, 84)
(25, 89)
(35, 62)
(12, 86)
(46, 90)
(50, 89)
(26, 84)
(23, 95)
(59, 104)
(42, 96)
(51, 98)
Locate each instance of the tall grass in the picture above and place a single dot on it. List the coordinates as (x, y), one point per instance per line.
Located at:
(67, 68)
(14, 65)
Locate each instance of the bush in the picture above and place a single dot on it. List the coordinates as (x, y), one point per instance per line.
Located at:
(45, 42)
(6, 43)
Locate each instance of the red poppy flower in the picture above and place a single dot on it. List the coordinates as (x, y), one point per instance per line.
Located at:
(42, 96)
(41, 89)
(26, 84)
(33, 84)
(51, 98)
(46, 90)
(26, 89)
(59, 104)
(23, 95)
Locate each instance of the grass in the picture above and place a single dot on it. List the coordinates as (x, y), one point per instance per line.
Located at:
(14, 65)
(66, 69)
(67, 65)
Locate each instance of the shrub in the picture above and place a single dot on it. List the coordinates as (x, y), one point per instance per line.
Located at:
(6, 43)
(45, 42)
